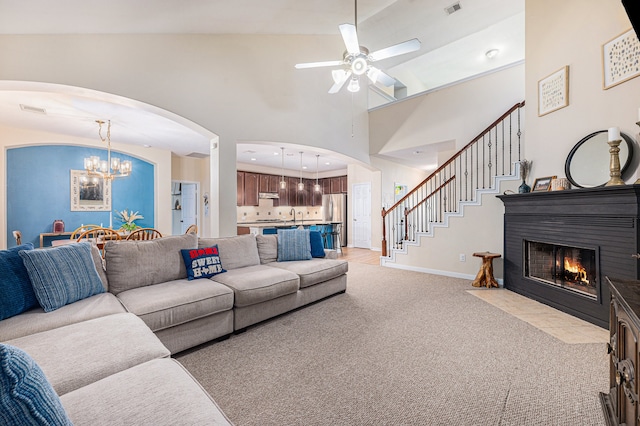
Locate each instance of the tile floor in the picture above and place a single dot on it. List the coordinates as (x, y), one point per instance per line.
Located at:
(560, 325)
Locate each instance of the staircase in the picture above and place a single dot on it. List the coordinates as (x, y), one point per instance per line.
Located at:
(478, 168)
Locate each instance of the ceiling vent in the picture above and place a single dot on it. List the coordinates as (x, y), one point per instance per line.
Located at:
(37, 110)
(453, 8)
(197, 155)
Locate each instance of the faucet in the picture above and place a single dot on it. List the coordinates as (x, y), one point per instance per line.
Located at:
(293, 212)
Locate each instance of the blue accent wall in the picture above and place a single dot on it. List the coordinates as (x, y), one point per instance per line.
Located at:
(38, 190)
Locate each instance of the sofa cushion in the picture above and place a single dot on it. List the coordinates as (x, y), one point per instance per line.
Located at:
(78, 354)
(133, 264)
(267, 248)
(36, 319)
(293, 244)
(26, 397)
(202, 262)
(16, 292)
(315, 271)
(158, 392)
(62, 275)
(235, 252)
(317, 245)
(255, 284)
(176, 302)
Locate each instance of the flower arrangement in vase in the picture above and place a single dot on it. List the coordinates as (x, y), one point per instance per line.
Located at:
(525, 167)
(128, 219)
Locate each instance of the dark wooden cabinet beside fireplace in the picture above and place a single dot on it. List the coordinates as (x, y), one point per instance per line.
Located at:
(620, 405)
(602, 222)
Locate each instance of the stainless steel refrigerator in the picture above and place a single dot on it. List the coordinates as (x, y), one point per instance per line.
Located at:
(334, 209)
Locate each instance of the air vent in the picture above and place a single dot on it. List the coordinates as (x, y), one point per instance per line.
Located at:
(197, 155)
(453, 8)
(37, 110)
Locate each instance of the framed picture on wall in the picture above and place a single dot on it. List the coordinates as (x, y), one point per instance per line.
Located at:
(89, 193)
(553, 91)
(620, 59)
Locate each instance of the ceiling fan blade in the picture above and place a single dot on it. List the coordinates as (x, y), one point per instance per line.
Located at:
(377, 75)
(340, 77)
(350, 37)
(319, 64)
(395, 50)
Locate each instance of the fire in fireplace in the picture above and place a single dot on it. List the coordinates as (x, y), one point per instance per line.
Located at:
(572, 268)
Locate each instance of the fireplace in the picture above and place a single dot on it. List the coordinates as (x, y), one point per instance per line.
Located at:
(559, 246)
(571, 268)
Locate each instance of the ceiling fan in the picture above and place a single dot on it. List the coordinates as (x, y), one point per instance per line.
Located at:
(357, 60)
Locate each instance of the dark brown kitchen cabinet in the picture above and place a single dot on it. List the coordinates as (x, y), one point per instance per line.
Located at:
(336, 185)
(344, 187)
(240, 189)
(326, 185)
(269, 183)
(251, 186)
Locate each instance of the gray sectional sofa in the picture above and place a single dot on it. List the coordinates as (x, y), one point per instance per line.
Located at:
(114, 348)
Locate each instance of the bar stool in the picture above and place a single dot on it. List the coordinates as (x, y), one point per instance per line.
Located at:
(335, 237)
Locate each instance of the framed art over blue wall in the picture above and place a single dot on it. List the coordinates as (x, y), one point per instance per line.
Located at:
(89, 193)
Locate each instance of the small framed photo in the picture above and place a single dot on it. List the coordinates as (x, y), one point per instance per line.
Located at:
(553, 91)
(620, 59)
(542, 184)
(89, 193)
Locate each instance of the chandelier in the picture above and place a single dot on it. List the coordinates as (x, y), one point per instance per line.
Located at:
(110, 168)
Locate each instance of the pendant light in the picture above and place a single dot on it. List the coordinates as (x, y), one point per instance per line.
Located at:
(283, 183)
(300, 184)
(317, 185)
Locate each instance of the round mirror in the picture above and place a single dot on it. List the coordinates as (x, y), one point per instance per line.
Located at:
(587, 164)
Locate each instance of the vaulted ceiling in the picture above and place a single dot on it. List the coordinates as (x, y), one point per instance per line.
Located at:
(453, 45)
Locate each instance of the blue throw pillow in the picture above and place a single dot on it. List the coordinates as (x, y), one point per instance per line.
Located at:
(317, 246)
(62, 275)
(293, 244)
(16, 293)
(202, 263)
(26, 396)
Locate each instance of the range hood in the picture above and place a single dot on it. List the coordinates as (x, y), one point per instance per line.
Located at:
(270, 195)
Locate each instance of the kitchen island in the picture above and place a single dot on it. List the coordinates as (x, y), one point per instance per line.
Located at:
(270, 227)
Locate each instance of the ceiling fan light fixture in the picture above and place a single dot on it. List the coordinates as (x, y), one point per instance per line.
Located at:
(359, 66)
(354, 85)
(373, 74)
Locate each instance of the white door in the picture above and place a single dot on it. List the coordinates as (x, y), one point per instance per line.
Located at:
(189, 206)
(362, 215)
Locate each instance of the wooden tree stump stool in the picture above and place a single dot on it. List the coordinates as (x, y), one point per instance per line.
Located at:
(485, 275)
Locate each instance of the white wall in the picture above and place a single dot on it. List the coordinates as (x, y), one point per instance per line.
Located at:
(239, 87)
(572, 33)
(458, 112)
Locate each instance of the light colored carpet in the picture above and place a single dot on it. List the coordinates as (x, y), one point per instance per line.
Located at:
(402, 348)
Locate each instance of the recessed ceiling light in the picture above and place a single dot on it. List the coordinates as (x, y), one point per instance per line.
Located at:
(327, 163)
(249, 151)
(304, 167)
(146, 145)
(276, 153)
(492, 53)
(253, 159)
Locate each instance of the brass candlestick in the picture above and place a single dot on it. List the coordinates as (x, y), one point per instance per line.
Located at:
(614, 164)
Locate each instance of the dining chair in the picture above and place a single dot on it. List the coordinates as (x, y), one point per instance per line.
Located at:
(144, 234)
(192, 229)
(18, 236)
(76, 233)
(99, 236)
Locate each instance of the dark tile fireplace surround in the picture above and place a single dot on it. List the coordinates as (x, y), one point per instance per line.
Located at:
(559, 246)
